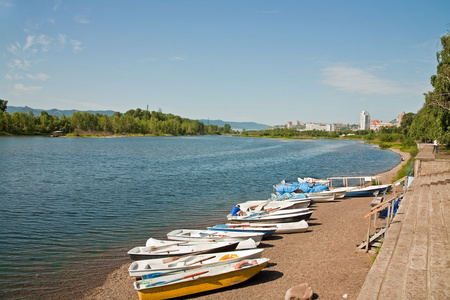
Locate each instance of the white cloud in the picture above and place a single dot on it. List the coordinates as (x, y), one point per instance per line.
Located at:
(356, 80)
(39, 76)
(76, 46)
(15, 76)
(20, 88)
(181, 57)
(41, 40)
(82, 20)
(19, 64)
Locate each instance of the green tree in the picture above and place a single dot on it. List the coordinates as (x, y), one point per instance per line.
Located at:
(3, 105)
(433, 119)
(406, 123)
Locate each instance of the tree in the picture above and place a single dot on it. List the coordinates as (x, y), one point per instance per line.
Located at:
(441, 81)
(406, 122)
(3, 104)
(433, 119)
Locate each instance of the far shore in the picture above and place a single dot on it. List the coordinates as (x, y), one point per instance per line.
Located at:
(325, 257)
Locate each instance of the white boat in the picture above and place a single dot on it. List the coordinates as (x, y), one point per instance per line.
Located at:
(267, 232)
(195, 235)
(155, 248)
(341, 192)
(324, 196)
(292, 227)
(279, 216)
(368, 191)
(310, 180)
(151, 268)
(199, 280)
(260, 205)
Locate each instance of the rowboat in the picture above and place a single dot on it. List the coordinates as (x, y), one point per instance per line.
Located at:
(368, 191)
(195, 235)
(324, 196)
(267, 232)
(155, 248)
(280, 216)
(341, 192)
(152, 268)
(260, 205)
(199, 280)
(291, 227)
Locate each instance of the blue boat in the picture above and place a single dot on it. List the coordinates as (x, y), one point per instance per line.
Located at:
(369, 190)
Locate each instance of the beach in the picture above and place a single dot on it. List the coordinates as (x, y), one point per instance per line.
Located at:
(325, 257)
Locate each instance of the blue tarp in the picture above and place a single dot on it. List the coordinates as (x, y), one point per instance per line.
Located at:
(304, 186)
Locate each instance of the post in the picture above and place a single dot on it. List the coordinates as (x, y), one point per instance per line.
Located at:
(368, 235)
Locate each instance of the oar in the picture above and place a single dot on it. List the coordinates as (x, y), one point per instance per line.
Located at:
(150, 248)
(200, 260)
(174, 280)
(261, 213)
(153, 275)
(171, 259)
(263, 204)
(168, 251)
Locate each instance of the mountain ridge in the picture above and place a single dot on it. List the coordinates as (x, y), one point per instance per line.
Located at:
(69, 112)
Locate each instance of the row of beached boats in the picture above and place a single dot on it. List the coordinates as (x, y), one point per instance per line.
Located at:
(192, 261)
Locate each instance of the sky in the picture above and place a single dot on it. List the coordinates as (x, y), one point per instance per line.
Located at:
(260, 61)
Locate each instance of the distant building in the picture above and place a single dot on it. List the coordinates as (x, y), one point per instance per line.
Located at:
(364, 121)
(289, 124)
(319, 126)
(400, 119)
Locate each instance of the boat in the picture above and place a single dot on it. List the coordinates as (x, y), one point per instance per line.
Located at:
(280, 216)
(155, 248)
(267, 232)
(368, 190)
(195, 235)
(341, 192)
(199, 280)
(310, 180)
(291, 227)
(151, 268)
(324, 196)
(287, 202)
(300, 187)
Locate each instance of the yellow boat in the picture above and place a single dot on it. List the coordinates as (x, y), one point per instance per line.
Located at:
(199, 280)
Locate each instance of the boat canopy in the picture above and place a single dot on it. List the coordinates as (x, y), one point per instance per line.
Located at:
(305, 187)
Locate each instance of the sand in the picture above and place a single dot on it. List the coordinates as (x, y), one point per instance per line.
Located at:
(325, 257)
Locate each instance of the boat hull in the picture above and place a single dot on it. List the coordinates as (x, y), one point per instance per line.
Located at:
(210, 236)
(202, 284)
(151, 255)
(368, 191)
(140, 268)
(294, 227)
(286, 218)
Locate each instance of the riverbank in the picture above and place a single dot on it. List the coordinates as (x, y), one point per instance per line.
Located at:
(325, 257)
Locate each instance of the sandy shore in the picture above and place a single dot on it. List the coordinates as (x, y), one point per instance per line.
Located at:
(325, 257)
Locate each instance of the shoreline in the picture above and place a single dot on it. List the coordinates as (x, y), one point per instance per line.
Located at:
(325, 256)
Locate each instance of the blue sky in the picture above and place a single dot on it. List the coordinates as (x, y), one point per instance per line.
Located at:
(262, 61)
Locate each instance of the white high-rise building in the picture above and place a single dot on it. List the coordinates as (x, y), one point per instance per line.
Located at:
(364, 122)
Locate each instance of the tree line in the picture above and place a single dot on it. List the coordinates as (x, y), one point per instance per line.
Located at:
(134, 121)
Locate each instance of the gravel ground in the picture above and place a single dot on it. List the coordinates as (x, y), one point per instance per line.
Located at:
(325, 257)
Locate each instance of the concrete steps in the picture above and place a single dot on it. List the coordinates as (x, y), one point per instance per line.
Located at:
(414, 261)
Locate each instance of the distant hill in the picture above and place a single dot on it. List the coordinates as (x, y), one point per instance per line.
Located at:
(54, 111)
(68, 113)
(236, 125)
